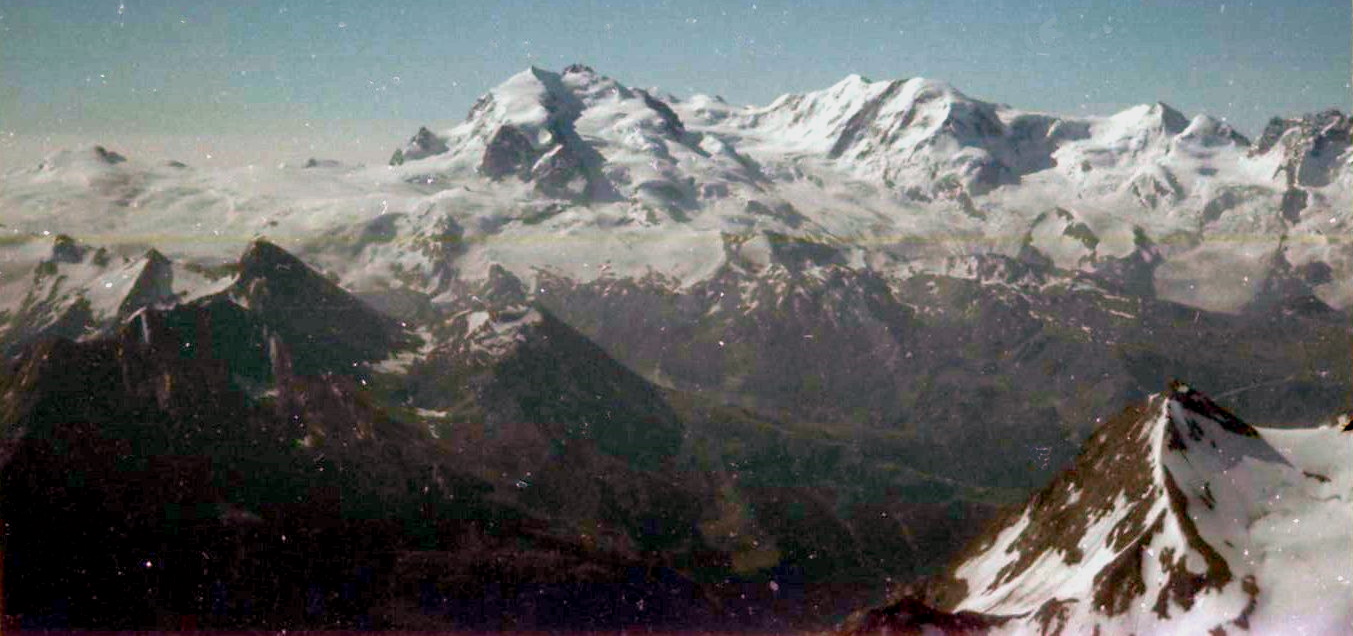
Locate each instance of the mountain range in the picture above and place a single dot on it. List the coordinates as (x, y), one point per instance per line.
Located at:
(677, 362)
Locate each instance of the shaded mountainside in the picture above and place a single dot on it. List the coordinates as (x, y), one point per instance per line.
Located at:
(1177, 516)
(981, 381)
(233, 460)
(181, 473)
(598, 346)
(799, 422)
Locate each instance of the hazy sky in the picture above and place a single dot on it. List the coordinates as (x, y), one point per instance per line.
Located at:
(266, 81)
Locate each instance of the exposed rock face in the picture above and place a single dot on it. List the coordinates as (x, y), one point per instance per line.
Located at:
(858, 122)
(310, 509)
(196, 448)
(155, 284)
(81, 291)
(107, 156)
(510, 452)
(1161, 522)
(562, 171)
(303, 306)
(914, 615)
(1135, 273)
(1310, 146)
(314, 162)
(423, 144)
(1156, 187)
(520, 355)
(1288, 290)
(501, 289)
(1294, 201)
(509, 153)
(825, 351)
(67, 250)
(671, 122)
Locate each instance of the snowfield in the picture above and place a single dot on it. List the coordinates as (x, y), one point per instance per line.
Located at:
(577, 174)
(1179, 518)
(804, 249)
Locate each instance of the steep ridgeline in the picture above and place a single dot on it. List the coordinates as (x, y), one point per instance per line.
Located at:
(579, 175)
(1177, 517)
(270, 452)
(220, 462)
(77, 290)
(565, 431)
(812, 341)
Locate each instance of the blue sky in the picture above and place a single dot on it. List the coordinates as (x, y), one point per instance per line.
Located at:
(285, 79)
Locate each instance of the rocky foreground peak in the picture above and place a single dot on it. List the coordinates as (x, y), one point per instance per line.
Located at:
(1177, 516)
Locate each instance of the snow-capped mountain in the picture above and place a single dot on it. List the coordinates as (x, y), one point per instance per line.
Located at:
(814, 341)
(1176, 518)
(578, 174)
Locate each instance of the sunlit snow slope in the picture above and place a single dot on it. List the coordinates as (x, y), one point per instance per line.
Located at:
(577, 174)
(1177, 518)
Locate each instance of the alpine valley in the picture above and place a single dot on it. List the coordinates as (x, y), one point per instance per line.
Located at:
(602, 357)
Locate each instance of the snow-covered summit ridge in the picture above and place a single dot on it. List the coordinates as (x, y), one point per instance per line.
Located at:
(919, 137)
(1178, 517)
(578, 174)
(885, 161)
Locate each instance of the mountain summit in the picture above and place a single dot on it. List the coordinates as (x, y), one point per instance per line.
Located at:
(1176, 517)
(907, 175)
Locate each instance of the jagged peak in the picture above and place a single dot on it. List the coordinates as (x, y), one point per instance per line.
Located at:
(1127, 502)
(1158, 115)
(578, 69)
(501, 286)
(265, 263)
(1185, 405)
(155, 257)
(423, 143)
(263, 253)
(1331, 122)
(65, 249)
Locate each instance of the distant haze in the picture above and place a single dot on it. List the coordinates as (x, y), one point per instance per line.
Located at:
(220, 84)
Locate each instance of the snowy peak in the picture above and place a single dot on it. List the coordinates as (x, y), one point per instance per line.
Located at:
(916, 135)
(1177, 517)
(154, 284)
(584, 137)
(424, 143)
(1156, 117)
(1140, 132)
(81, 291)
(1195, 416)
(546, 106)
(533, 100)
(1310, 149)
(1206, 131)
(914, 172)
(857, 111)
